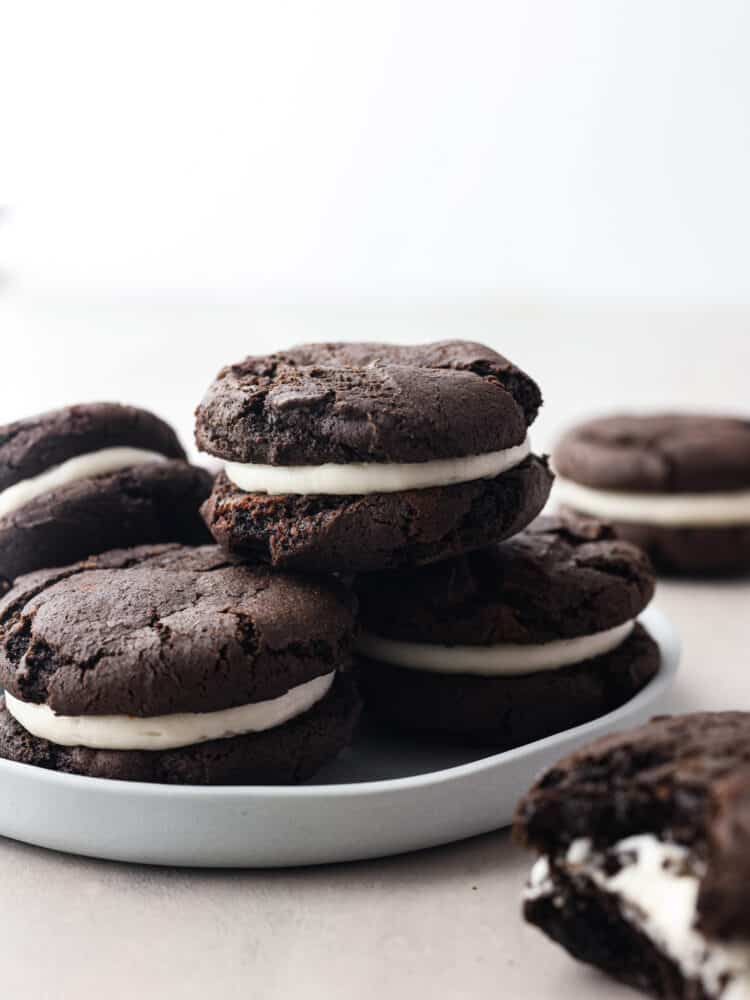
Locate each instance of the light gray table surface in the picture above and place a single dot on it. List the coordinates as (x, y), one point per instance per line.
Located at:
(442, 923)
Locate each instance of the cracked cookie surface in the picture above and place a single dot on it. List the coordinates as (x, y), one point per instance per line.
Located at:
(377, 531)
(162, 629)
(167, 629)
(368, 402)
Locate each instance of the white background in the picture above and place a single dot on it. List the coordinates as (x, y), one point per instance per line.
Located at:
(587, 359)
(403, 149)
(187, 183)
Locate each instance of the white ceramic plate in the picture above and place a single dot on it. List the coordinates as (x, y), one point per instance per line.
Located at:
(383, 796)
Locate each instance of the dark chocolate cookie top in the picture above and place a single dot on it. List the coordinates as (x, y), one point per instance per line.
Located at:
(161, 629)
(684, 778)
(560, 578)
(30, 446)
(344, 403)
(665, 453)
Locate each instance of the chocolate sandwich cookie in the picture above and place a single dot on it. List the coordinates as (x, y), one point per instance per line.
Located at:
(178, 665)
(644, 856)
(80, 480)
(510, 643)
(676, 484)
(361, 457)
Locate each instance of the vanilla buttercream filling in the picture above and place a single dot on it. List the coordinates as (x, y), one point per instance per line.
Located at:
(93, 463)
(675, 510)
(166, 732)
(499, 660)
(361, 478)
(656, 885)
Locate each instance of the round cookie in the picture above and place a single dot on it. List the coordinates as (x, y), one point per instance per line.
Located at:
(368, 402)
(678, 485)
(146, 504)
(358, 534)
(359, 457)
(83, 479)
(511, 643)
(175, 664)
(31, 446)
(644, 854)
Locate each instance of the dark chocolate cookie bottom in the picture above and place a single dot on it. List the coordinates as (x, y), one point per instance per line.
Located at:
(587, 922)
(379, 531)
(693, 551)
(506, 712)
(284, 755)
(142, 505)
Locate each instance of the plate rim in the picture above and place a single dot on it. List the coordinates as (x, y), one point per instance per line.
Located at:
(671, 650)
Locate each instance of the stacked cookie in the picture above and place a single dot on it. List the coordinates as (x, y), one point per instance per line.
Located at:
(397, 478)
(510, 643)
(410, 469)
(153, 662)
(84, 479)
(214, 664)
(354, 458)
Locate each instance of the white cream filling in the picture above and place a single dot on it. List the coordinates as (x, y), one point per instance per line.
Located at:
(165, 732)
(361, 478)
(657, 892)
(539, 883)
(668, 509)
(501, 660)
(94, 463)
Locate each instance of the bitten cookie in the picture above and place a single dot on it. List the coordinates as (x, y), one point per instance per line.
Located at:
(644, 855)
(175, 664)
(510, 643)
(361, 457)
(78, 481)
(678, 485)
